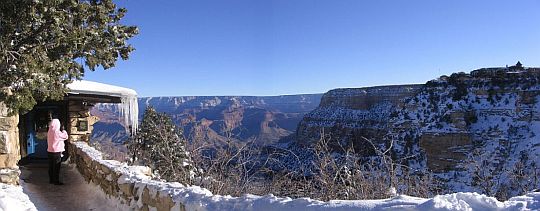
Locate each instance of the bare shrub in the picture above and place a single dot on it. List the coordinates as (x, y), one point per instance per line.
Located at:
(345, 175)
(232, 169)
(240, 168)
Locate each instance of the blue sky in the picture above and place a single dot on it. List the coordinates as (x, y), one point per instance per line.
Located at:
(256, 47)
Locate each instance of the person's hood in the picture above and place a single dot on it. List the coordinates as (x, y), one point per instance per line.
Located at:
(55, 125)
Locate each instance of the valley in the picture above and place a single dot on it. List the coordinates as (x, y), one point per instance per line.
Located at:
(471, 131)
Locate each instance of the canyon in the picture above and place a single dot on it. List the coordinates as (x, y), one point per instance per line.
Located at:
(216, 119)
(474, 131)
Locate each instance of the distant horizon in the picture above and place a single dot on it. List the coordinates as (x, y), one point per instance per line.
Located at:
(279, 95)
(278, 47)
(321, 93)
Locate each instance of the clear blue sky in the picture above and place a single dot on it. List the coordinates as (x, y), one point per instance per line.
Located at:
(264, 47)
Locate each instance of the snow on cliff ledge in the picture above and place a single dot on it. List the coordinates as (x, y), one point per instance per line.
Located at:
(129, 107)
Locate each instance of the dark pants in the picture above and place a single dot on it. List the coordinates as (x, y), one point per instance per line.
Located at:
(55, 159)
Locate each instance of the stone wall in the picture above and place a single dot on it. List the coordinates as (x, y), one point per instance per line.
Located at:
(9, 147)
(116, 180)
(80, 112)
(133, 189)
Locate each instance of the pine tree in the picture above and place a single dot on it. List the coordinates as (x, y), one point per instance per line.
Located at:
(160, 144)
(45, 45)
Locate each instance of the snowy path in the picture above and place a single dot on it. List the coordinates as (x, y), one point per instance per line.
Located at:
(75, 194)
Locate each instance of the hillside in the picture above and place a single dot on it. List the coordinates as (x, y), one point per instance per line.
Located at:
(214, 119)
(348, 114)
(474, 132)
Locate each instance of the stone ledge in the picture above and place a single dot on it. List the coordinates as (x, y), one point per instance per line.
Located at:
(10, 176)
(115, 179)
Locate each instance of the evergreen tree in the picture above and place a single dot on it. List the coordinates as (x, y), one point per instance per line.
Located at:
(46, 44)
(160, 144)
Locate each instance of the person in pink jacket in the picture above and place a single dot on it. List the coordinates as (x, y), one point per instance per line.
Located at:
(55, 142)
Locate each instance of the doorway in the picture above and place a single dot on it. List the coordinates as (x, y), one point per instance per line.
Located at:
(34, 126)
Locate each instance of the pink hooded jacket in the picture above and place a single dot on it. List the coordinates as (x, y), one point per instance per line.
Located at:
(55, 137)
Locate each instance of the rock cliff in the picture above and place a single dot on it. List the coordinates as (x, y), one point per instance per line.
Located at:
(348, 114)
(475, 132)
(214, 119)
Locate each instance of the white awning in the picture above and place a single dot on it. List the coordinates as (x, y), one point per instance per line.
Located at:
(129, 108)
(95, 88)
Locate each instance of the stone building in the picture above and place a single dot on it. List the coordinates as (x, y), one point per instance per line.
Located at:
(24, 136)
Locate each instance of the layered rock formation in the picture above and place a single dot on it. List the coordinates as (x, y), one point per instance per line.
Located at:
(214, 119)
(348, 114)
(475, 132)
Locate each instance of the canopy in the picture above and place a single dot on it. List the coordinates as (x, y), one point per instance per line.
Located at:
(127, 98)
(95, 88)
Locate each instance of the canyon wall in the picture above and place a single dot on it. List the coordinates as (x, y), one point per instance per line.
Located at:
(348, 114)
(215, 119)
(472, 129)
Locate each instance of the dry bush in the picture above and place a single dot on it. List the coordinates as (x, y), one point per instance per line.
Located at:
(231, 169)
(236, 169)
(345, 175)
(492, 179)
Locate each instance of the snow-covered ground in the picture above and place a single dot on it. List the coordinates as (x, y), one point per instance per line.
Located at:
(12, 198)
(195, 198)
(200, 199)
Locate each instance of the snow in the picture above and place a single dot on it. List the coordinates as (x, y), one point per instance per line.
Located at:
(503, 134)
(200, 199)
(12, 198)
(196, 198)
(129, 107)
(475, 201)
(91, 87)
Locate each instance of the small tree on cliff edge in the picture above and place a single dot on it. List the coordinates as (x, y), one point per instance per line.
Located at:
(160, 144)
(44, 44)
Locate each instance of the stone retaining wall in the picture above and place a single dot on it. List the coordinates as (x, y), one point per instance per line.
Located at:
(9, 147)
(120, 181)
(80, 112)
(133, 188)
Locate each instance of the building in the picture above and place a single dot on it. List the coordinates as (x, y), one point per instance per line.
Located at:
(25, 136)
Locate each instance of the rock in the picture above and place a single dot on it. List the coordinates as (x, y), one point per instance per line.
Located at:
(4, 142)
(353, 112)
(8, 160)
(164, 202)
(10, 176)
(145, 208)
(178, 207)
(3, 110)
(126, 188)
(147, 198)
(445, 151)
(105, 169)
(86, 158)
(9, 123)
